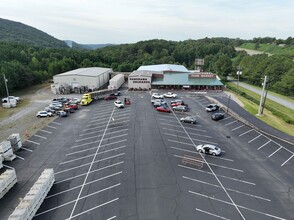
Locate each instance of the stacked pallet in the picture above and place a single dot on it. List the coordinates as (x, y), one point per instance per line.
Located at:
(34, 198)
(6, 151)
(15, 142)
(7, 181)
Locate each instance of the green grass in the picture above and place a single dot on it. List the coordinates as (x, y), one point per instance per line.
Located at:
(268, 117)
(270, 48)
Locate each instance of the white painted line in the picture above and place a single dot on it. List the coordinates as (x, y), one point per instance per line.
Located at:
(195, 152)
(120, 114)
(20, 157)
(48, 132)
(76, 187)
(33, 142)
(254, 139)
(57, 123)
(263, 145)
(116, 119)
(89, 129)
(275, 151)
(91, 132)
(49, 126)
(85, 144)
(96, 207)
(246, 132)
(238, 127)
(87, 138)
(83, 174)
(174, 125)
(216, 165)
(102, 152)
(214, 215)
(232, 190)
(26, 149)
(231, 122)
(40, 136)
(179, 142)
(166, 116)
(204, 141)
(57, 207)
(242, 207)
(113, 217)
(225, 177)
(8, 167)
(226, 118)
(86, 164)
(201, 135)
(96, 147)
(112, 132)
(287, 160)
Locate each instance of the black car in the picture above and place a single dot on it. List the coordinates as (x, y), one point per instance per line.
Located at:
(189, 119)
(217, 116)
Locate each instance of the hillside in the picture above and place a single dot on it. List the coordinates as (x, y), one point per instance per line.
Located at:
(75, 45)
(16, 32)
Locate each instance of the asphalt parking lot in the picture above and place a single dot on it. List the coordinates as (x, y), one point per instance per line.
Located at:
(127, 163)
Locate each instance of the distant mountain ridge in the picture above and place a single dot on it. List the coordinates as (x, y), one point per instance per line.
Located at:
(73, 44)
(11, 31)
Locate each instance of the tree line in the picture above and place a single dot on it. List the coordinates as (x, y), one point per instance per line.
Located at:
(28, 65)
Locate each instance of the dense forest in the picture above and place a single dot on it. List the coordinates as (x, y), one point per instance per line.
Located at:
(27, 65)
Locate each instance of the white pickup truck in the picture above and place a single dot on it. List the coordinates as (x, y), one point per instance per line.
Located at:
(10, 98)
(170, 95)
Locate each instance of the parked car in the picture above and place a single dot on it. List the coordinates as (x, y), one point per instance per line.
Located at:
(4, 100)
(54, 107)
(212, 107)
(61, 99)
(43, 114)
(170, 95)
(119, 104)
(68, 110)
(189, 119)
(179, 102)
(157, 96)
(175, 101)
(58, 104)
(163, 109)
(109, 97)
(74, 101)
(47, 109)
(217, 116)
(118, 93)
(61, 113)
(159, 102)
(72, 106)
(208, 149)
(181, 108)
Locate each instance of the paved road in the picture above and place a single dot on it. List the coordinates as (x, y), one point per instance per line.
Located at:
(269, 96)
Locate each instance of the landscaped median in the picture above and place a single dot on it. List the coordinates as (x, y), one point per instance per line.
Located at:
(275, 115)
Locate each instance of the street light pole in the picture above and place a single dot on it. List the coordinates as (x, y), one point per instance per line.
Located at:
(262, 97)
(238, 74)
(228, 104)
(5, 81)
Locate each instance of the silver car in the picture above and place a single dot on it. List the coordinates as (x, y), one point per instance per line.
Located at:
(208, 149)
(180, 108)
(189, 119)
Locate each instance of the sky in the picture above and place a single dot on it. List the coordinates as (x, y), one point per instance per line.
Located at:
(130, 21)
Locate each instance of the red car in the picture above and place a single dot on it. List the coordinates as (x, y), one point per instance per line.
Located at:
(72, 106)
(163, 109)
(109, 97)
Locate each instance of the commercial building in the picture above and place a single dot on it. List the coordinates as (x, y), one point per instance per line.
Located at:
(170, 76)
(91, 78)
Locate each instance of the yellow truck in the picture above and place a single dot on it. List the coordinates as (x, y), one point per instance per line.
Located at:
(96, 95)
(86, 99)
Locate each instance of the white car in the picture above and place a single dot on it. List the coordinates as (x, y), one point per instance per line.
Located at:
(43, 114)
(212, 107)
(157, 96)
(119, 104)
(170, 95)
(208, 149)
(10, 98)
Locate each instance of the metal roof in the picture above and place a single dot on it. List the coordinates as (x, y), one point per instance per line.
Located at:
(90, 71)
(165, 68)
(183, 79)
(145, 73)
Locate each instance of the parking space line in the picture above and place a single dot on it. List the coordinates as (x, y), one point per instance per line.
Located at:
(100, 122)
(98, 116)
(102, 152)
(165, 116)
(33, 142)
(8, 167)
(195, 152)
(88, 129)
(102, 178)
(254, 139)
(287, 160)
(209, 213)
(49, 126)
(232, 190)
(103, 145)
(246, 132)
(202, 135)
(86, 164)
(26, 149)
(226, 118)
(87, 138)
(263, 145)
(209, 142)
(120, 114)
(81, 145)
(180, 142)
(113, 217)
(57, 123)
(232, 122)
(242, 207)
(216, 165)
(48, 132)
(181, 126)
(93, 132)
(83, 174)
(19, 157)
(275, 151)
(238, 127)
(67, 203)
(40, 136)
(225, 177)
(96, 207)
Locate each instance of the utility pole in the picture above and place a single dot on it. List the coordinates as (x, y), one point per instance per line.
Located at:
(238, 74)
(228, 106)
(262, 97)
(5, 81)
